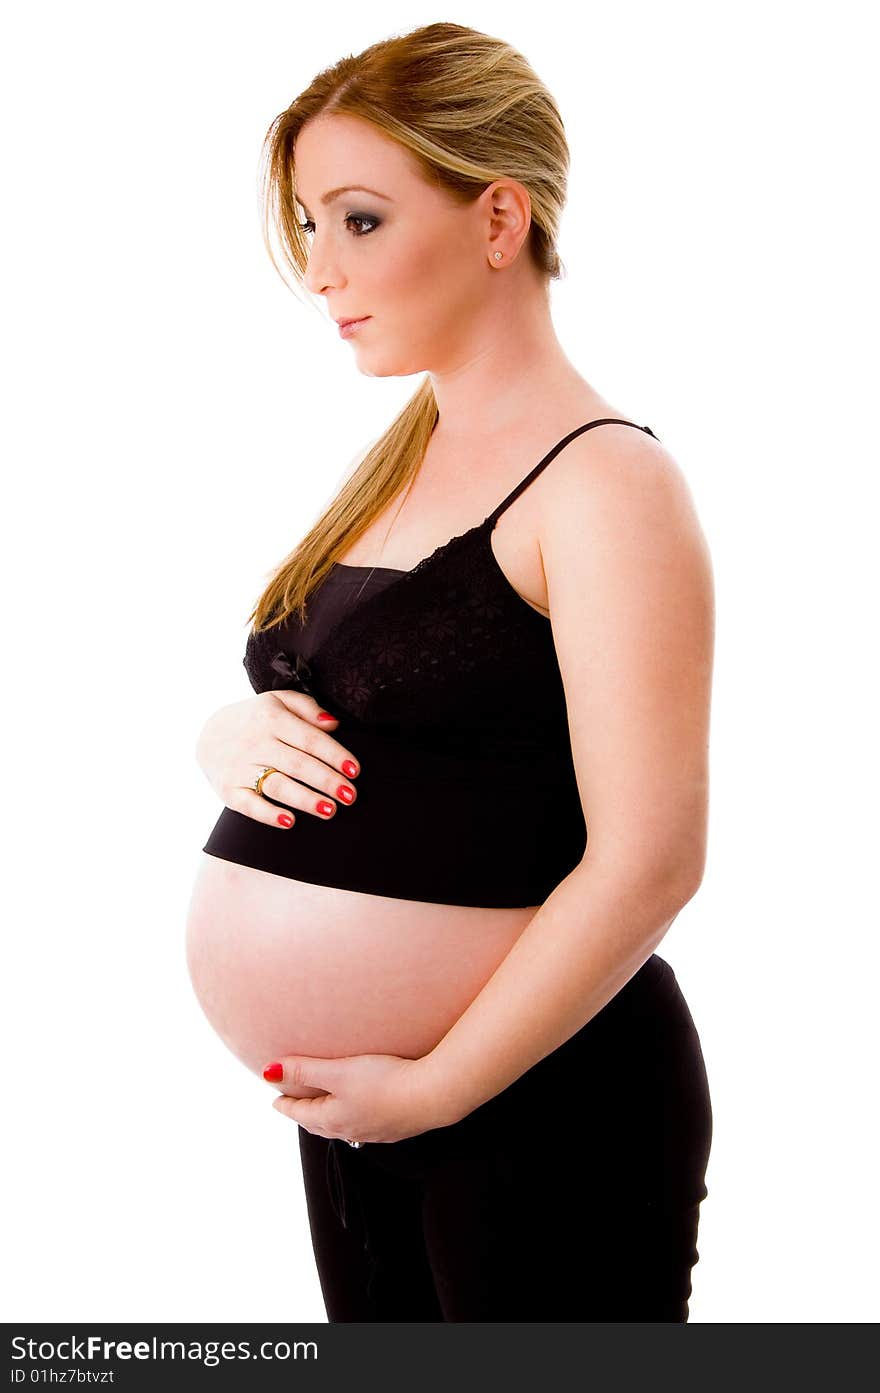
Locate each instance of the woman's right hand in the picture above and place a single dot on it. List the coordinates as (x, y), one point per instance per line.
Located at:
(279, 729)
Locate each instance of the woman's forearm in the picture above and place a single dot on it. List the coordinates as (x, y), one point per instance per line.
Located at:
(587, 940)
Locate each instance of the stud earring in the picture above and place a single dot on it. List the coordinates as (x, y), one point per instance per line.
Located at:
(498, 256)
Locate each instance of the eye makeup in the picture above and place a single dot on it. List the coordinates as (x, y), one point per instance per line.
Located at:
(308, 226)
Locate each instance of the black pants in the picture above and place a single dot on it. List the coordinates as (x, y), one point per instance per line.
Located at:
(573, 1195)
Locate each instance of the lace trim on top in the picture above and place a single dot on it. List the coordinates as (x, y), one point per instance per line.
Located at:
(384, 659)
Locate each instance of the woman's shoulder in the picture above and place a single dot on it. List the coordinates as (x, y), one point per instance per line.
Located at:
(618, 455)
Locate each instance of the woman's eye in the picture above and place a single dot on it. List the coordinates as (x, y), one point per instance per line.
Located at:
(308, 226)
(363, 218)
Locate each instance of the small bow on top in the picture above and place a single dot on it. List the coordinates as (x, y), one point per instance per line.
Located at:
(294, 669)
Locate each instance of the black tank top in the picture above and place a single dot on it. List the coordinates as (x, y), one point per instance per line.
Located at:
(448, 691)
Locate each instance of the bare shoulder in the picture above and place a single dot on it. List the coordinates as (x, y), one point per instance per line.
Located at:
(613, 485)
(630, 595)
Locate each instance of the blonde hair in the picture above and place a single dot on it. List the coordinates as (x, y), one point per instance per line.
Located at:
(471, 110)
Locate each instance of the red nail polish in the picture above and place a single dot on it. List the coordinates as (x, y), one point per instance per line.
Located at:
(274, 1073)
(325, 716)
(285, 819)
(345, 793)
(325, 807)
(349, 768)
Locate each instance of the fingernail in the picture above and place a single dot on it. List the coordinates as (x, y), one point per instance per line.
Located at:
(325, 716)
(285, 819)
(274, 1073)
(349, 768)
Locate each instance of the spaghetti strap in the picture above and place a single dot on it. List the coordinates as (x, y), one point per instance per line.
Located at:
(603, 421)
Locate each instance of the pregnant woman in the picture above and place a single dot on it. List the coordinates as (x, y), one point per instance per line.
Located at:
(499, 632)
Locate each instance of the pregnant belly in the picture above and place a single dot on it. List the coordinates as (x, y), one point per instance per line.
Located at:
(280, 966)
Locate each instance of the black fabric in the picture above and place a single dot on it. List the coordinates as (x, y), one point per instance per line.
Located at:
(572, 1195)
(342, 589)
(448, 691)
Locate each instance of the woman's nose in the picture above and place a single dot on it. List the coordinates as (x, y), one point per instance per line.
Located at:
(321, 274)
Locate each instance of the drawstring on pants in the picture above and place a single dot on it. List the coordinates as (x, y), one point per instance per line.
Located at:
(344, 1191)
(337, 1159)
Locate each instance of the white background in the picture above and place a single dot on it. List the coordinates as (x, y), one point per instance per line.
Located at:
(175, 419)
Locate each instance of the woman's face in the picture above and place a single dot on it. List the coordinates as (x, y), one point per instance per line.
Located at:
(406, 256)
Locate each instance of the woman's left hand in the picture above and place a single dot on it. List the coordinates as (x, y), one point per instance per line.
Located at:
(369, 1097)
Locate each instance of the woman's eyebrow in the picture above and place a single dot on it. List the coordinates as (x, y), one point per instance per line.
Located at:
(346, 188)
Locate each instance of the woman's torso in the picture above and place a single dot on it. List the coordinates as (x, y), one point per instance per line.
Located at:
(282, 965)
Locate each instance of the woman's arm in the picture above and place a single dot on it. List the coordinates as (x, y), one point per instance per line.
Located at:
(631, 600)
(590, 936)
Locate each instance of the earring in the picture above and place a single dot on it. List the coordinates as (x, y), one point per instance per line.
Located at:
(498, 256)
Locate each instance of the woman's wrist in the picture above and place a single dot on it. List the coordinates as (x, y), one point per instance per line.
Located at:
(436, 1099)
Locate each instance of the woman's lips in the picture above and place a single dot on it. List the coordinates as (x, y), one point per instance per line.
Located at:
(346, 330)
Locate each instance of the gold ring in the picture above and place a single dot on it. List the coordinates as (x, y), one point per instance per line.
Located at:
(257, 785)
